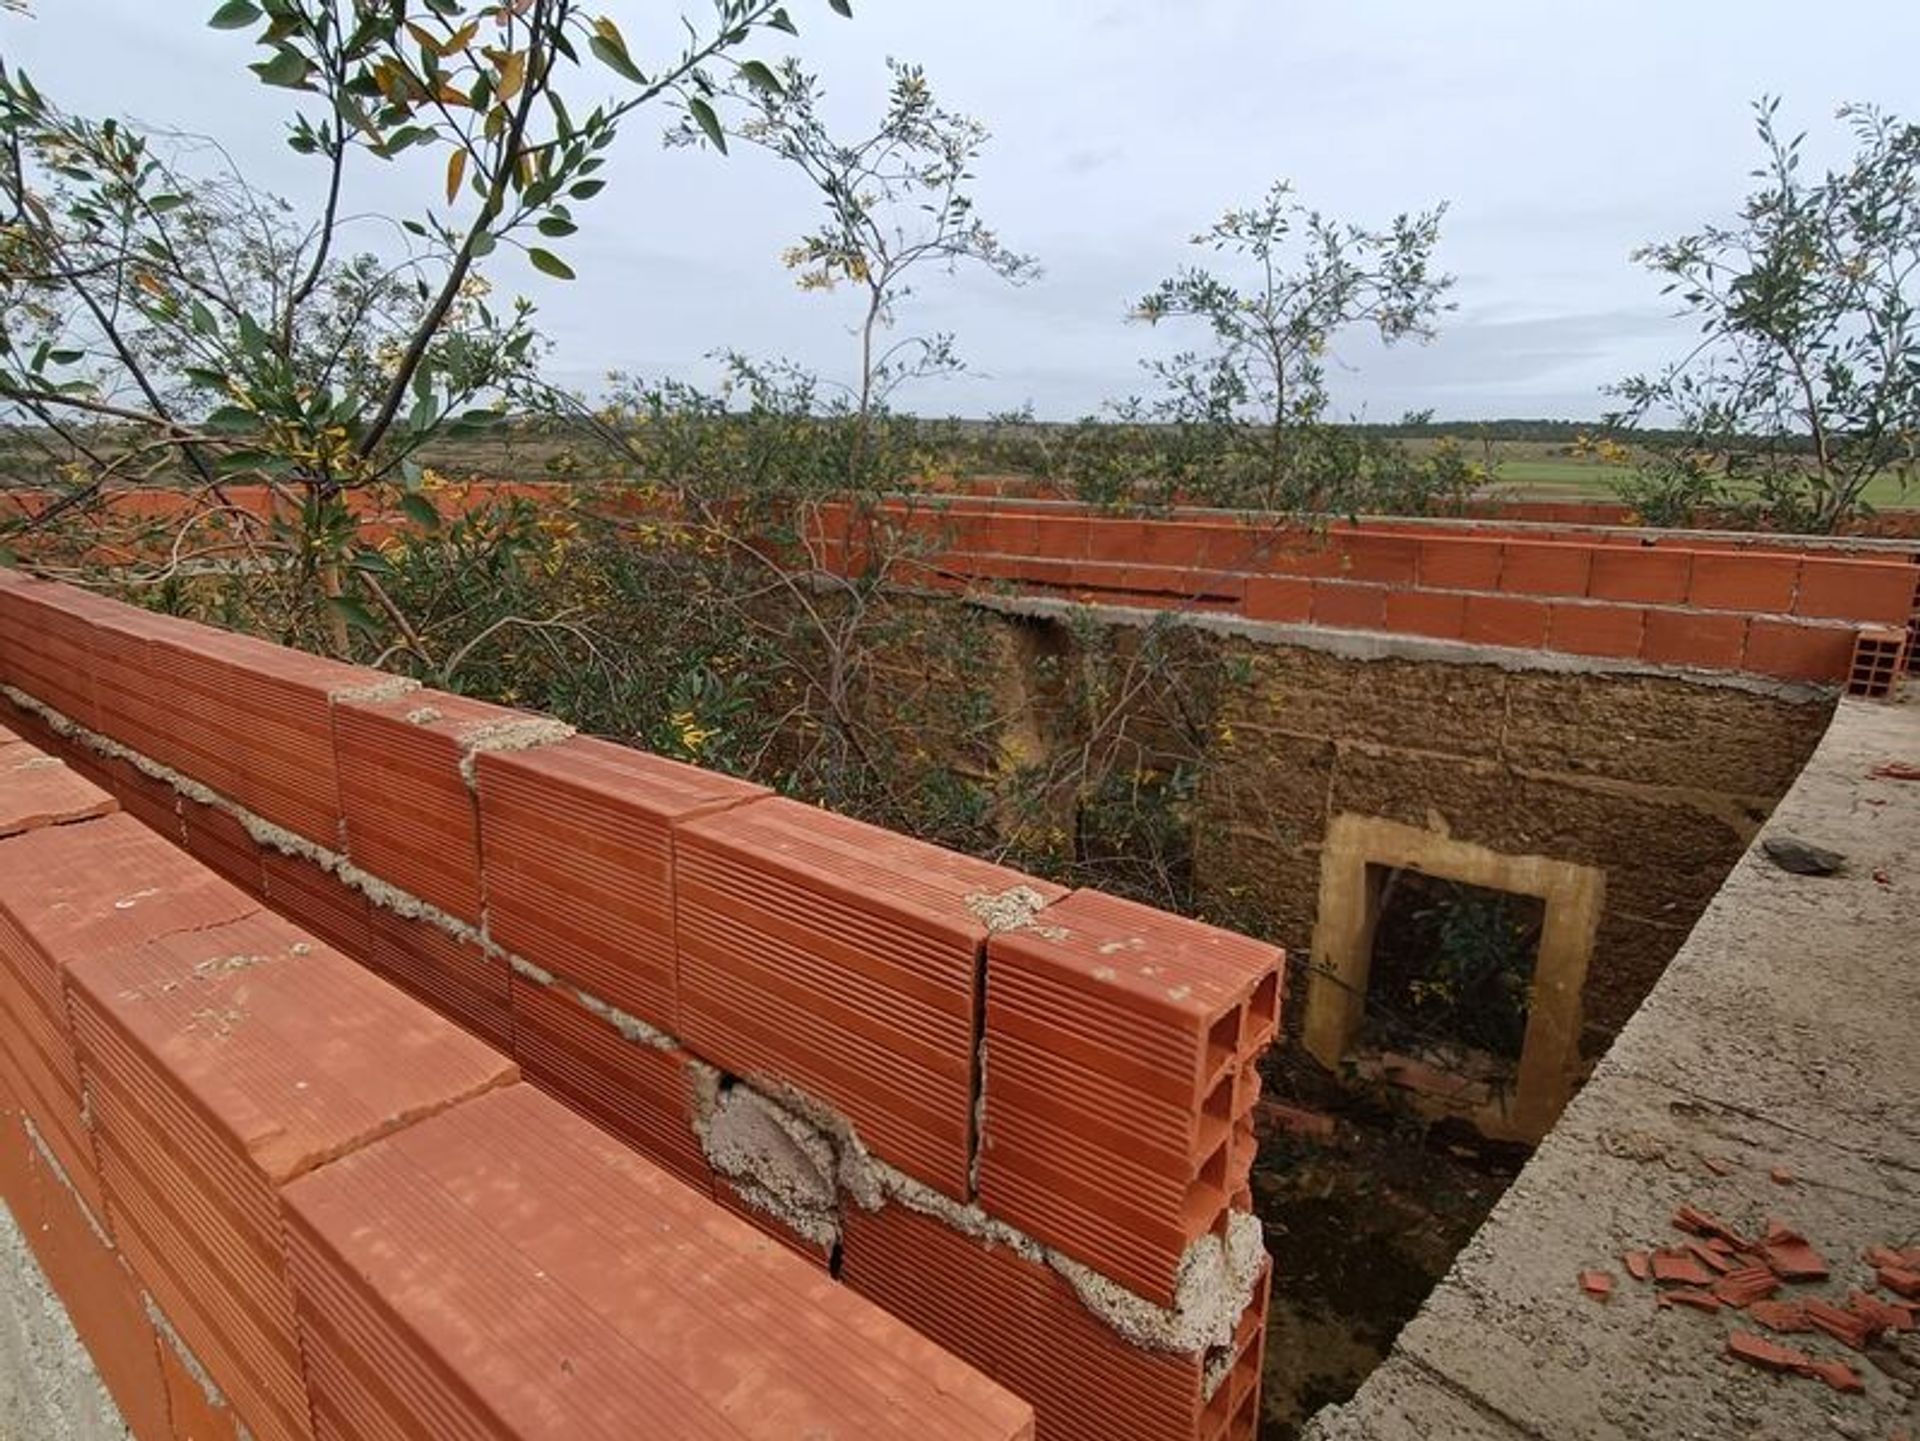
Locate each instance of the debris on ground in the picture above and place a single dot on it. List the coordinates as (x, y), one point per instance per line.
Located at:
(1717, 1268)
(1897, 771)
(1790, 853)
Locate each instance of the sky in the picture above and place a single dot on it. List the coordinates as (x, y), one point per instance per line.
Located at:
(1560, 135)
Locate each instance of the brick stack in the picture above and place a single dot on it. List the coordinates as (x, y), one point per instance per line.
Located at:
(288, 1201)
(223, 1063)
(1120, 1089)
(619, 901)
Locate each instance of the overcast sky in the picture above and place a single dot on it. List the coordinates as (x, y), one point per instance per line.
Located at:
(1562, 135)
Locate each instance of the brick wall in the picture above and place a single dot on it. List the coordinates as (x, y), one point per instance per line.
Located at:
(650, 947)
(1777, 607)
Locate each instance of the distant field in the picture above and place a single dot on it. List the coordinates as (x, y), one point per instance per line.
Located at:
(1543, 479)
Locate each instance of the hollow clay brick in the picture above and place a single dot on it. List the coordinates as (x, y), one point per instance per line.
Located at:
(1440, 615)
(221, 1063)
(1862, 590)
(1349, 605)
(1703, 640)
(577, 842)
(1459, 563)
(1744, 582)
(410, 815)
(1649, 575)
(456, 976)
(1545, 568)
(1795, 651)
(1116, 1081)
(1596, 630)
(843, 959)
(512, 1272)
(38, 790)
(1282, 598)
(318, 901)
(1505, 620)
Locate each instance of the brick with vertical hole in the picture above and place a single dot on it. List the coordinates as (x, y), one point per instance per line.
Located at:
(1114, 1078)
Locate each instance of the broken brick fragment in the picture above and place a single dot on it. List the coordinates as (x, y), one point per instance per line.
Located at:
(1680, 1268)
(1696, 1222)
(1285, 1120)
(1719, 1165)
(1781, 1176)
(1639, 1265)
(1880, 1315)
(1767, 1355)
(1690, 1296)
(1746, 1285)
(1847, 1327)
(1783, 1316)
(1900, 1280)
(1597, 1284)
(1790, 1255)
(1837, 1374)
(1714, 1257)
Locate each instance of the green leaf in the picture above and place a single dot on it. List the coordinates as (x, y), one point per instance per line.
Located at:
(587, 189)
(371, 562)
(782, 21)
(761, 77)
(354, 613)
(614, 57)
(161, 204)
(420, 510)
(841, 7)
(235, 15)
(287, 69)
(709, 122)
(553, 225)
(231, 418)
(548, 262)
(66, 357)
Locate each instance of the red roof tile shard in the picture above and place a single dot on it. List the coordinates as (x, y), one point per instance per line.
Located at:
(512, 1272)
(844, 960)
(577, 843)
(1115, 1036)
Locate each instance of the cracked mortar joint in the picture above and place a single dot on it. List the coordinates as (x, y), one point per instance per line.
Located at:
(503, 736)
(1012, 910)
(389, 689)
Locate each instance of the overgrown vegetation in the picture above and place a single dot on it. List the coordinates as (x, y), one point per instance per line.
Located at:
(1804, 387)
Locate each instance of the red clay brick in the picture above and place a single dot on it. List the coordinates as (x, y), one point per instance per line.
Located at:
(844, 960)
(101, 1295)
(1283, 598)
(641, 1093)
(1598, 630)
(1022, 1324)
(196, 1414)
(475, 1257)
(1651, 576)
(222, 1063)
(1794, 651)
(1420, 612)
(1506, 620)
(1346, 605)
(410, 816)
(1459, 563)
(1115, 1041)
(1863, 590)
(1708, 640)
(577, 842)
(1385, 559)
(456, 977)
(1544, 568)
(220, 842)
(38, 790)
(318, 901)
(1730, 581)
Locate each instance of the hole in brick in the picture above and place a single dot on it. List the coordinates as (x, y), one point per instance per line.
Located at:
(1223, 1040)
(1205, 1208)
(1262, 1013)
(1217, 1114)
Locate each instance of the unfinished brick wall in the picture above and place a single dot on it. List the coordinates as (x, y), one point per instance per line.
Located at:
(278, 1197)
(1782, 607)
(781, 1007)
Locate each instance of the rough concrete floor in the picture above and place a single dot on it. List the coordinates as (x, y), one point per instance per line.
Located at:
(49, 1390)
(1785, 1035)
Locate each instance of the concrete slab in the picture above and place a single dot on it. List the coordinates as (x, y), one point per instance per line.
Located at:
(1782, 1039)
(49, 1388)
